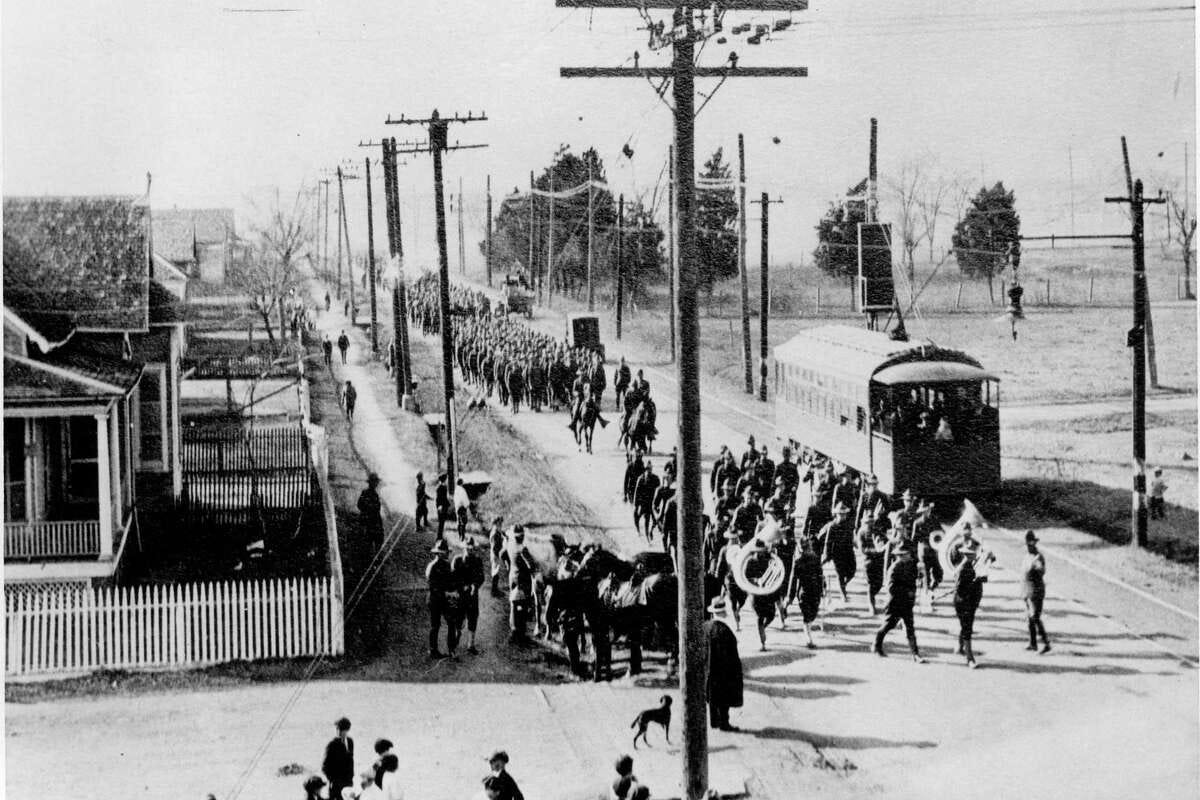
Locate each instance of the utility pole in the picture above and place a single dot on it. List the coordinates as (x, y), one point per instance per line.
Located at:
(620, 252)
(371, 263)
(671, 245)
(389, 177)
(341, 209)
(690, 567)
(1136, 340)
(550, 241)
(742, 276)
(764, 302)
(325, 259)
(342, 177)
(438, 127)
(532, 271)
(403, 366)
(489, 230)
(462, 249)
(590, 297)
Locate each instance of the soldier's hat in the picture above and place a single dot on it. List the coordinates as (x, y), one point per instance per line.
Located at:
(499, 755)
(1030, 537)
(373, 479)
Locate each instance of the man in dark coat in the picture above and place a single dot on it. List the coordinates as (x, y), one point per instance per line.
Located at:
(338, 764)
(643, 501)
(343, 345)
(807, 585)
(370, 511)
(837, 545)
(902, 591)
(724, 668)
(441, 502)
(499, 784)
(968, 592)
(621, 380)
(633, 470)
(516, 384)
(327, 349)
(467, 573)
(441, 603)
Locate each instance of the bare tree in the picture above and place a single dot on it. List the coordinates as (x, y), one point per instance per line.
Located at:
(269, 274)
(906, 188)
(1183, 233)
(936, 190)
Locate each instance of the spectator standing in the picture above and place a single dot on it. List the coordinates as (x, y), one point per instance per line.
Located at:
(422, 513)
(441, 503)
(462, 507)
(1158, 488)
(724, 668)
(1033, 585)
(327, 349)
(338, 764)
(467, 572)
(350, 399)
(370, 511)
(441, 585)
(501, 781)
(343, 344)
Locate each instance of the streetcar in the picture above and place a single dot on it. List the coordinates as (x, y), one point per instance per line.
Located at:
(918, 416)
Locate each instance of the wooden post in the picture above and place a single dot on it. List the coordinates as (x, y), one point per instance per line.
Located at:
(489, 230)
(371, 262)
(747, 369)
(591, 305)
(818, 298)
(958, 297)
(671, 289)
(620, 252)
(437, 143)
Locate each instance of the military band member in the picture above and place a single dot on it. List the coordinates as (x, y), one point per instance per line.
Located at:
(1033, 586)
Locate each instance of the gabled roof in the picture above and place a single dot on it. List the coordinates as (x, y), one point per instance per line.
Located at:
(170, 277)
(174, 238)
(84, 258)
(26, 380)
(165, 305)
(118, 375)
(202, 225)
(48, 330)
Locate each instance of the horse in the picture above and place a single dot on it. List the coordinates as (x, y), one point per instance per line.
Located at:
(637, 430)
(626, 602)
(583, 421)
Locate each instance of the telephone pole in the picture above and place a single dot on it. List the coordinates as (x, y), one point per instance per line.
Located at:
(402, 369)
(550, 241)
(532, 272)
(681, 35)
(1136, 339)
(590, 297)
(438, 143)
(462, 249)
(338, 224)
(743, 278)
(671, 245)
(489, 230)
(325, 259)
(342, 177)
(371, 263)
(620, 252)
(764, 302)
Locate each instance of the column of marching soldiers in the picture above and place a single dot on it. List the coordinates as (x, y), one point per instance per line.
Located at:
(847, 519)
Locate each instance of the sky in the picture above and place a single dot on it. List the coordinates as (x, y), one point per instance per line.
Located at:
(222, 104)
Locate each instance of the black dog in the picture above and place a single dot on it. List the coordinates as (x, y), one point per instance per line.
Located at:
(661, 715)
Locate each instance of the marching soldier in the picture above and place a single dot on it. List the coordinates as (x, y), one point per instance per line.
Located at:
(902, 591)
(968, 592)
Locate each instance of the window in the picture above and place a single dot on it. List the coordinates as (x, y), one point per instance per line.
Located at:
(14, 471)
(152, 401)
(83, 483)
(861, 419)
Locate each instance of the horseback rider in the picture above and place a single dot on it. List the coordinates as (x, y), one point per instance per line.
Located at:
(621, 380)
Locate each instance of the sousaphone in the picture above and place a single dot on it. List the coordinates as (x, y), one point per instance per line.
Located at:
(756, 570)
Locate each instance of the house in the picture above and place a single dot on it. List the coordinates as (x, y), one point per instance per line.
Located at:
(200, 242)
(93, 343)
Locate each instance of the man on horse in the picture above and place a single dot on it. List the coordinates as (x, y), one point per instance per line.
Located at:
(621, 380)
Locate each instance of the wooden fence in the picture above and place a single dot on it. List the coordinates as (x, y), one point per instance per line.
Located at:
(235, 450)
(53, 632)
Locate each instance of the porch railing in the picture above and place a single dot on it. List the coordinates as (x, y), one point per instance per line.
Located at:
(51, 539)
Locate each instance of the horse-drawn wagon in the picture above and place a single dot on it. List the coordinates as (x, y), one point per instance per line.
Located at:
(518, 299)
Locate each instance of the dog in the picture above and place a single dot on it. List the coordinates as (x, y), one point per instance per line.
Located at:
(661, 715)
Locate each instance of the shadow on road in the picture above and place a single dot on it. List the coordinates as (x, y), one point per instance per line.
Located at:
(824, 740)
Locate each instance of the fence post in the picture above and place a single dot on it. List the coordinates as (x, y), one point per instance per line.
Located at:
(1091, 288)
(1047, 291)
(818, 299)
(958, 297)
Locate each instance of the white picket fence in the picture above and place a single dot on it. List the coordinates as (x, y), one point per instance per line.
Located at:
(170, 626)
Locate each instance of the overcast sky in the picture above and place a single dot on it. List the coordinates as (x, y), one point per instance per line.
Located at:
(220, 104)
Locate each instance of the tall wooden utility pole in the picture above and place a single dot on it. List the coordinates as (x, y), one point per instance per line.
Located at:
(620, 253)
(1136, 340)
(371, 262)
(462, 246)
(532, 271)
(403, 367)
(488, 265)
(764, 302)
(671, 245)
(743, 278)
(550, 241)
(325, 259)
(690, 566)
(344, 176)
(438, 143)
(338, 223)
(590, 296)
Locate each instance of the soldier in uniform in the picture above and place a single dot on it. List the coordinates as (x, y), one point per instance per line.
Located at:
(441, 586)
(467, 573)
(968, 592)
(807, 585)
(1033, 585)
(643, 501)
(902, 591)
(621, 381)
(872, 542)
(520, 584)
(837, 545)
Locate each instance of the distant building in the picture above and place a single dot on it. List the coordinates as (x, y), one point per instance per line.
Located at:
(200, 242)
(93, 344)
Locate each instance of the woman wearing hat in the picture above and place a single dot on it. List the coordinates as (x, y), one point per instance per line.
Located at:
(1033, 584)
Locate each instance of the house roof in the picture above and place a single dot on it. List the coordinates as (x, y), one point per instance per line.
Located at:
(83, 259)
(174, 237)
(47, 329)
(165, 305)
(205, 225)
(87, 364)
(26, 381)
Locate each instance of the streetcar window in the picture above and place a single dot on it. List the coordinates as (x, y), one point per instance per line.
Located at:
(861, 419)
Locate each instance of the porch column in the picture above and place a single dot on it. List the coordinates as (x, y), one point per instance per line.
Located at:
(104, 482)
(174, 383)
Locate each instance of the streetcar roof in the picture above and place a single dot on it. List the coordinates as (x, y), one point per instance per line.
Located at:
(860, 354)
(924, 372)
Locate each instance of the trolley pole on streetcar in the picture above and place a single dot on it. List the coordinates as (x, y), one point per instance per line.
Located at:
(438, 143)
(683, 72)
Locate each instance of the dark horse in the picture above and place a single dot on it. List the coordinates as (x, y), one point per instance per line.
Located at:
(583, 420)
(625, 599)
(637, 429)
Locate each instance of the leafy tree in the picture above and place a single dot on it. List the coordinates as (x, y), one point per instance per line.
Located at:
(987, 232)
(716, 226)
(837, 235)
(643, 254)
